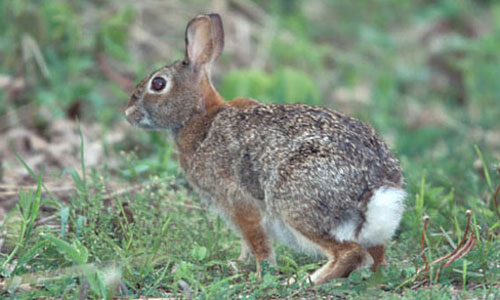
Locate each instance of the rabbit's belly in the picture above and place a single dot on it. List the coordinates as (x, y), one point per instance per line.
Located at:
(382, 217)
(289, 237)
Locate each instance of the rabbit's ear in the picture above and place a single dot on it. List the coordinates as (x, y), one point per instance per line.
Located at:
(204, 39)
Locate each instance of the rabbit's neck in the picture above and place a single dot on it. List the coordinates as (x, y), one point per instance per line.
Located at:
(194, 132)
(210, 97)
(211, 103)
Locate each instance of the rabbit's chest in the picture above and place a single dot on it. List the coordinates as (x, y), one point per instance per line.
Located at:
(225, 164)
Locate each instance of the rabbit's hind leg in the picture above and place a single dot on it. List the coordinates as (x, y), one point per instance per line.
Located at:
(248, 219)
(378, 255)
(343, 258)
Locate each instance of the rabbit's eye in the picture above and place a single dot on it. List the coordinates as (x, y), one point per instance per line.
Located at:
(158, 84)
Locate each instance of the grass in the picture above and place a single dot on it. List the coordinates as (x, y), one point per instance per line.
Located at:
(171, 242)
(155, 238)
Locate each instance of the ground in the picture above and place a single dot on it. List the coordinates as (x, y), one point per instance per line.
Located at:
(93, 208)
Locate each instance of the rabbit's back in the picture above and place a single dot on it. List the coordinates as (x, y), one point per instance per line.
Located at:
(279, 140)
(272, 146)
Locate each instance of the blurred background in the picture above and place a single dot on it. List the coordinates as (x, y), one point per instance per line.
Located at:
(424, 73)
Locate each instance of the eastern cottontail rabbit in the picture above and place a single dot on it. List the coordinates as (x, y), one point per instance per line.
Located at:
(307, 176)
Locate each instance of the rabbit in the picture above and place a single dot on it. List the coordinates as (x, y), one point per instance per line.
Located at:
(309, 177)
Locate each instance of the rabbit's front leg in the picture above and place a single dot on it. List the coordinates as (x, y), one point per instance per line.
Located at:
(245, 252)
(248, 220)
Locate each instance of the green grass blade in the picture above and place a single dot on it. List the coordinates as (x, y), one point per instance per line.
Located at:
(67, 249)
(80, 221)
(485, 167)
(419, 200)
(76, 178)
(33, 174)
(464, 274)
(64, 213)
(82, 156)
(23, 204)
(32, 252)
(35, 206)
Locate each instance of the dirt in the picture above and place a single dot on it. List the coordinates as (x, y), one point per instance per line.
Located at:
(50, 151)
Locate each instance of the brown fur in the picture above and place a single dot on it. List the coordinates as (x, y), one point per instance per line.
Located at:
(343, 258)
(347, 257)
(248, 219)
(211, 99)
(378, 254)
(194, 133)
(243, 103)
(286, 172)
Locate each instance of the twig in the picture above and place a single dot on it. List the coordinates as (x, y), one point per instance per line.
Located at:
(45, 220)
(57, 190)
(16, 187)
(53, 190)
(464, 237)
(462, 249)
(422, 243)
(471, 242)
(185, 287)
(123, 191)
(495, 200)
(190, 206)
(84, 289)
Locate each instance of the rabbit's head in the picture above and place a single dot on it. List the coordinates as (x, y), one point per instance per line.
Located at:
(170, 96)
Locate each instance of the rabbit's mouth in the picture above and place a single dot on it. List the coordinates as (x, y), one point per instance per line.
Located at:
(129, 111)
(137, 117)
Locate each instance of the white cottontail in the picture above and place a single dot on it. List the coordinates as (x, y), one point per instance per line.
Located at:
(306, 176)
